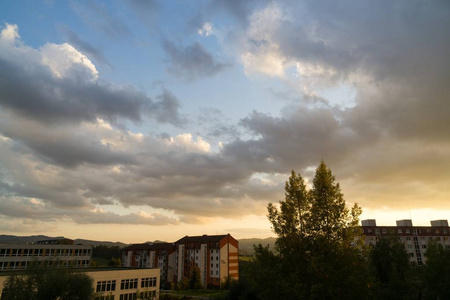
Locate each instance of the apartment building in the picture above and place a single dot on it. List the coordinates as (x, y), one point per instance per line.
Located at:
(415, 238)
(119, 283)
(216, 257)
(151, 255)
(48, 253)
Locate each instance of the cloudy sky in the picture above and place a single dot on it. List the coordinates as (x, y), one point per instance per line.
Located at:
(141, 120)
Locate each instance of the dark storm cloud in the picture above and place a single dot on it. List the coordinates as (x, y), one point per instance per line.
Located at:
(192, 62)
(32, 91)
(401, 46)
(64, 146)
(31, 209)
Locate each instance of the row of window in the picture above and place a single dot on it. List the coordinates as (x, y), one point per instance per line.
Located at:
(129, 296)
(407, 231)
(22, 265)
(148, 282)
(125, 284)
(107, 297)
(128, 284)
(106, 286)
(44, 252)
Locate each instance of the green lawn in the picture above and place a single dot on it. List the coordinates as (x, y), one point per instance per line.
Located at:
(245, 258)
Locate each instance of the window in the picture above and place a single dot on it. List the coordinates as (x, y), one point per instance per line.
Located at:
(148, 282)
(107, 297)
(217, 265)
(411, 254)
(131, 296)
(15, 252)
(408, 238)
(408, 231)
(384, 230)
(424, 246)
(212, 265)
(128, 284)
(217, 272)
(4, 252)
(106, 286)
(399, 231)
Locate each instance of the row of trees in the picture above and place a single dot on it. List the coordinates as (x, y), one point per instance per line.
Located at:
(320, 253)
(40, 283)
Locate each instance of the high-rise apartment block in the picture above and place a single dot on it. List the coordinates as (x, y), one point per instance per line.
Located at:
(215, 256)
(415, 238)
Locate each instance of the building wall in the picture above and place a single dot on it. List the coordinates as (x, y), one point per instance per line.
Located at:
(127, 282)
(19, 256)
(415, 238)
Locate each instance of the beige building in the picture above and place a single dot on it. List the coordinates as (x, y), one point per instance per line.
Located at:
(415, 238)
(119, 284)
(216, 256)
(126, 284)
(19, 256)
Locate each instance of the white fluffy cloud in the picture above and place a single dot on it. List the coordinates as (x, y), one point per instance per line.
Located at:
(65, 61)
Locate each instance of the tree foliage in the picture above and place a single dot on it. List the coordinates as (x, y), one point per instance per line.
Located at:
(436, 272)
(320, 253)
(392, 271)
(49, 284)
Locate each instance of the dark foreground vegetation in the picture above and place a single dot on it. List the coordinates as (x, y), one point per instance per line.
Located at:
(38, 283)
(320, 254)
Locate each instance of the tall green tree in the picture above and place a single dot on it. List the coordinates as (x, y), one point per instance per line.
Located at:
(320, 250)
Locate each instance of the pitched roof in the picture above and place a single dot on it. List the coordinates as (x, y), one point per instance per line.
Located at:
(201, 239)
(149, 246)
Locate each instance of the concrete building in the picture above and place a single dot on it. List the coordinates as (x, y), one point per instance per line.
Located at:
(216, 257)
(50, 253)
(119, 284)
(152, 255)
(415, 238)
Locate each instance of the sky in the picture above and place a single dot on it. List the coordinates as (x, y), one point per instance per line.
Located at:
(134, 120)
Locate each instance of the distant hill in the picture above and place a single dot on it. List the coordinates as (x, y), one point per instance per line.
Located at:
(12, 239)
(245, 245)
